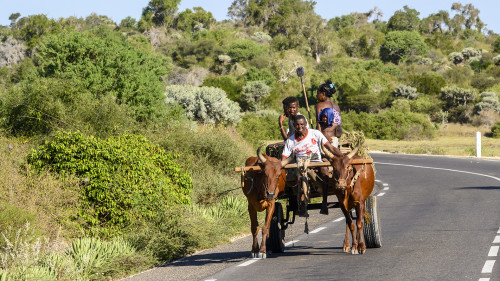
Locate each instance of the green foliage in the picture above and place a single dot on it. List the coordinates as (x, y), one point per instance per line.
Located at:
(33, 28)
(159, 12)
(107, 66)
(406, 92)
(11, 218)
(255, 127)
(190, 21)
(495, 130)
(227, 83)
(428, 82)
(206, 104)
(124, 178)
(254, 91)
(496, 45)
(430, 105)
(455, 96)
(399, 46)
(489, 101)
(264, 74)
(242, 50)
(389, 124)
(406, 20)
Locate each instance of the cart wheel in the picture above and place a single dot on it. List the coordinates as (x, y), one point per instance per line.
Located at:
(276, 240)
(372, 231)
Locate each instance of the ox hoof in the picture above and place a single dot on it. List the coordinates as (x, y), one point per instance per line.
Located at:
(346, 250)
(354, 252)
(362, 252)
(255, 255)
(262, 255)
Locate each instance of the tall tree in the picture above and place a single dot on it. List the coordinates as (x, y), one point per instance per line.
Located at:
(254, 12)
(467, 15)
(406, 19)
(159, 12)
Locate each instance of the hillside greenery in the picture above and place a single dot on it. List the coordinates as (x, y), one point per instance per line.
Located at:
(130, 131)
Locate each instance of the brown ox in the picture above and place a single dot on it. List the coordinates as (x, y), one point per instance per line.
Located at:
(261, 189)
(354, 184)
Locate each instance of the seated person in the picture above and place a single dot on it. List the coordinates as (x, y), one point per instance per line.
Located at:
(306, 143)
(325, 92)
(291, 109)
(329, 122)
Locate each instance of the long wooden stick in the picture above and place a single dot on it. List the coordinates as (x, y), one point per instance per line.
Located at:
(311, 165)
(307, 103)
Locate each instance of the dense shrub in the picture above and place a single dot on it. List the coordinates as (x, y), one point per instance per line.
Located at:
(242, 50)
(406, 92)
(428, 82)
(254, 91)
(257, 128)
(495, 130)
(205, 104)
(227, 83)
(107, 65)
(123, 178)
(489, 101)
(399, 46)
(389, 124)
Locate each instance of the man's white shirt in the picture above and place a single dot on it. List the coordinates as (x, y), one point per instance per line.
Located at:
(305, 147)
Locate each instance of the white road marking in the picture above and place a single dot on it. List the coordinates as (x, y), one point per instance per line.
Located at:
(317, 229)
(339, 219)
(211, 280)
(498, 230)
(247, 263)
(497, 239)
(484, 279)
(378, 180)
(381, 194)
(291, 242)
(386, 188)
(385, 184)
(444, 169)
(493, 251)
(488, 266)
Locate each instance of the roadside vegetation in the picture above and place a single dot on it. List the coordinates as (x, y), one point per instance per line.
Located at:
(118, 140)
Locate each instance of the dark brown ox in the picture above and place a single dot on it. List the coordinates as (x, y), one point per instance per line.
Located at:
(261, 189)
(354, 183)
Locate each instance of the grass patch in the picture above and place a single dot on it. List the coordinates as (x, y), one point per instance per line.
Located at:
(451, 139)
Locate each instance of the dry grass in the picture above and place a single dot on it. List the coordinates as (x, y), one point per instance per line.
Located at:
(53, 200)
(452, 139)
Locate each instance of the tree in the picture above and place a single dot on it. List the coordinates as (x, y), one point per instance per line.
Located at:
(159, 12)
(399, 46)
(434, 22)
(31, 29)
(467, 15)
(404, 20)
(254, 12)
(189, 20)
(254, 91)
(13, 17)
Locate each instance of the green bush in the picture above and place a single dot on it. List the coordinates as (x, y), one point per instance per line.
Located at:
(389, 124)
(205, 104)
(495, 130)
(242, 50)
(227, 83)
(399, 46)
(256, 128)
(123, 178)
(107, 65)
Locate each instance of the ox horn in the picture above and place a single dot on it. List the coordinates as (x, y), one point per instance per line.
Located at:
(287, 161)
(354, 151)
(260, 156)
(327, 152)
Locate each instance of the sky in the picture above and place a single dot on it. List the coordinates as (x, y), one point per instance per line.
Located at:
(120, 9)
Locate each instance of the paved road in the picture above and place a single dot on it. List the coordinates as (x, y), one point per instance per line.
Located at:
(440, 218)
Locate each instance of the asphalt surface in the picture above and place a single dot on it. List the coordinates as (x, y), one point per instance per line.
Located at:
(440, 220)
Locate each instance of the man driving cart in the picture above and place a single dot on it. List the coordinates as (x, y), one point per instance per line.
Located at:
(305, 143)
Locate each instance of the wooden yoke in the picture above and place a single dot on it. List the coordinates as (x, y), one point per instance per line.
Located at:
(311, 165)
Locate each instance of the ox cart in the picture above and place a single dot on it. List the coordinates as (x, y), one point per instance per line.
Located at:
(283, 216)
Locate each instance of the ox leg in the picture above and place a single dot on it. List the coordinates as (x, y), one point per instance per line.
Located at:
(360, 213)
(254, 228)
(265, 230)
(350, 228)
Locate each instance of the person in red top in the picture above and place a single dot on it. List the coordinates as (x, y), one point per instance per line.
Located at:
(306, 143)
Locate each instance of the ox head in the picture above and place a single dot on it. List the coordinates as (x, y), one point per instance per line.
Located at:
(272, 170)
(342, 170)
